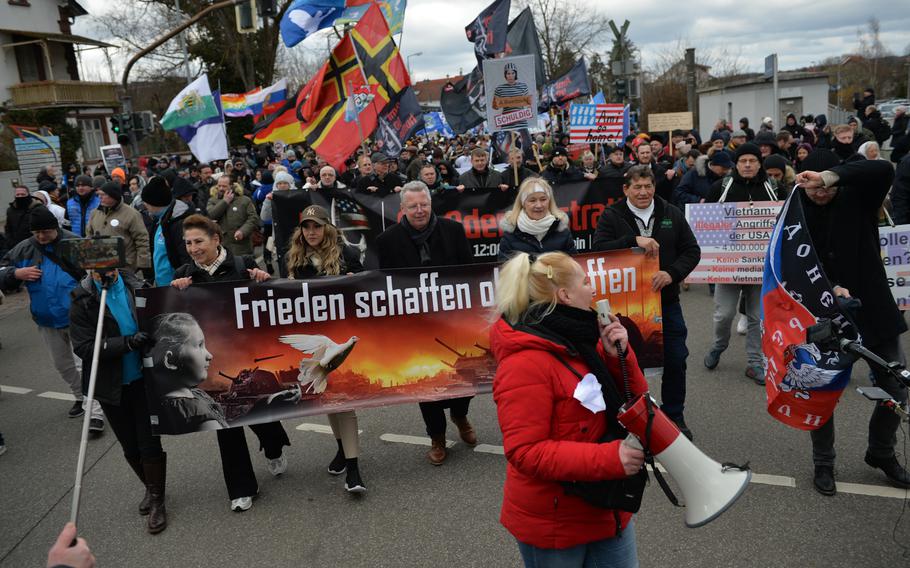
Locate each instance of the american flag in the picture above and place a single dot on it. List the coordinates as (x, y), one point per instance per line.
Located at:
(350, 213)
(604, 122)
(706, 216)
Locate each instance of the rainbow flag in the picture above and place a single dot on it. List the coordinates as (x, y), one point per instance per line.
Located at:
(253, 102)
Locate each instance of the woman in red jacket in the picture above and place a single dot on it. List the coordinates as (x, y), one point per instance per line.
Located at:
(546, 339)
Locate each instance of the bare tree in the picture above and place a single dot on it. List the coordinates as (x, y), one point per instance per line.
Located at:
(567, 30)
(871, 46)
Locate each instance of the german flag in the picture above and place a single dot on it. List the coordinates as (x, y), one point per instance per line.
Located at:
(280, 126)
(365, 56)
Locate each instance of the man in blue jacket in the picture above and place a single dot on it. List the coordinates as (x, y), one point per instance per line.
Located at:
(696, 183)
(34, 262)
(79, 207)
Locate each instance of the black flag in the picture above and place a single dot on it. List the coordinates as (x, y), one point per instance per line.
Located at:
(400, 119)
(571, 85)
(522, 39)
(488, 30)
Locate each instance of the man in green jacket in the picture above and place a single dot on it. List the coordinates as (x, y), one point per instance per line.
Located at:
(113, 218)
(236, 214)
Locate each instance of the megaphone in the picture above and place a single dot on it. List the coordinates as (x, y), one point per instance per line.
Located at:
(708, 487)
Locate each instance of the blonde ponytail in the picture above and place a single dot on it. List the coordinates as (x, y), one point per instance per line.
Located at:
(524, 284)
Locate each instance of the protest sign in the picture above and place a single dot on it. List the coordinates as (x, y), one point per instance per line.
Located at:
(361, 217)
(113, 157)
(669, 121)
(895, 244)
(598, 123)
(236, 353)
(35, 151)
(511, 88)
(733, 238)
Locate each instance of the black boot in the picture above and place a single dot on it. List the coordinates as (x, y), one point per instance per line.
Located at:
(136, 464)
(894, 471)
(155, 470)
(824, 480)
(352, 481)
(338, 465)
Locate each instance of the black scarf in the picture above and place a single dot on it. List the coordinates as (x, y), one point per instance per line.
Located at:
(421, 237)
(578, 329)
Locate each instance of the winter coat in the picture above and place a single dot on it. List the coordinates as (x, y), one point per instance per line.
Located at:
(861, 104)
(679, 252)
(900, 138)
(17, 222)
(448, 246)
(121, 220)
(696, 184)
(879, 128)
(385, 185)
(172, 229)
(549, 437)
(900, 192)
(350, 262)
(86, 301)
(49, 295)
(845, 234)
(240, 214)
(233, 269)
(472, 179)
(556, 176)
(508, 177)
(80, 212)
(797, 131)
(514, 240)
(758, 188)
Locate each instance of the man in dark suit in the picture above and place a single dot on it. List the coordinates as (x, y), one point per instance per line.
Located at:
(423, 239)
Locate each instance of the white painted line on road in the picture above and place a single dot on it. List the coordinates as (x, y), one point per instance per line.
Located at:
(779, 480)
(14, 390)
(872, 490)
(58, 396)
(320, 428)
(488, 449)
(415, 440)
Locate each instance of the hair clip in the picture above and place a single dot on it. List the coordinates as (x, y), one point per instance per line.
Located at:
(550, 272)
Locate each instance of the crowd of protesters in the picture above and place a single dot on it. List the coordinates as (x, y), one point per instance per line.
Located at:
(185, 223)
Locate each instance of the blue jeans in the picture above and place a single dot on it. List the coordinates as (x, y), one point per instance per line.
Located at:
(620, 552)
(673, 383)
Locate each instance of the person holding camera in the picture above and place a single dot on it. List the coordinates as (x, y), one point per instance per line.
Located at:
(557, 393)
(842, 204)
(119, 386)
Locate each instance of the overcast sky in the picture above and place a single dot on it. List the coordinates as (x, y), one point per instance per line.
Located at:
(801, 32)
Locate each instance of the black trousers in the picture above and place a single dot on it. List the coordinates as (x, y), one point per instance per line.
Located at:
(434, 414)
(235, 455)
(884, 422)
(130, 422)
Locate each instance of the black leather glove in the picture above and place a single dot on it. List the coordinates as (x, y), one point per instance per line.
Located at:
(139, 340)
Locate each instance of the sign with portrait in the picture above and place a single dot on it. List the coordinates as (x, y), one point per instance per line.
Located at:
(511, 88)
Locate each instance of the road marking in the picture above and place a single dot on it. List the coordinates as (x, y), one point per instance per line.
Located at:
(58, 396)
(320, 428)
(415, 440)
(873, 490)
(778, 480)
(488, 449)
(14, 390)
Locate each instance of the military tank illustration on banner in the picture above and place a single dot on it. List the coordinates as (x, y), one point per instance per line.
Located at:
(254, 385)
(473, 369)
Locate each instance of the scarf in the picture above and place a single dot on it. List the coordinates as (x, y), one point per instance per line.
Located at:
(644, 218)
(578, 330)
(421, 238)
(211, 268)
(536, 228)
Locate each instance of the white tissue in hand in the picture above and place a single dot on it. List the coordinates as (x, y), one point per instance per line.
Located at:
(590, 396)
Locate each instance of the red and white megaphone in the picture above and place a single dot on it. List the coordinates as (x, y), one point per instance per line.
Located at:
(708, 487)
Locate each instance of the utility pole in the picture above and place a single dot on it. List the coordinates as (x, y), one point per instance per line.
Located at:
(183, 47)
(126, 100)
(691, 84)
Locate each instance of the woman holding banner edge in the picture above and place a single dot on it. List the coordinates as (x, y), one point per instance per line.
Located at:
(318, 250)
(214, 263)
(546, 339)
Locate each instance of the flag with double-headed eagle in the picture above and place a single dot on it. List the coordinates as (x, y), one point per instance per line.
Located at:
(804, 381)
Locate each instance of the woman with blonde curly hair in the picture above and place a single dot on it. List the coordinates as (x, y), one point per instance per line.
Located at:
(317, 250)
(535, 224)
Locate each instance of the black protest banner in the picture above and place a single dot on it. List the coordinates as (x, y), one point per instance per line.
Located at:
(400, 119)
(361, 217)
(562, 90)
(236, 353)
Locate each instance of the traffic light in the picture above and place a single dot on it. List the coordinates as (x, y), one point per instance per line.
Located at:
(268, 8)
(620, 89)
(126, 122)
(247, 17)
(115, 124)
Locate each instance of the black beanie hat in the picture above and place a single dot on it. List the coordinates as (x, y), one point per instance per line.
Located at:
(156, 192)
(182, 187)
(748, 148)
(41, 218)
(98, 181)
(47, 185)
(819, 160)
(775, 161)
(83, 180)
(113, 189)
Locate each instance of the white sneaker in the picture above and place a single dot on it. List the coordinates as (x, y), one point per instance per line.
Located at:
(742, 326)
(241, 504)
(278, 465)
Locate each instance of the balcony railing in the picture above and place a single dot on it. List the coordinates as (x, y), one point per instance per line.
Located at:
(64, 94)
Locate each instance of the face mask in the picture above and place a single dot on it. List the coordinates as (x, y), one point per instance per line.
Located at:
(23, 202)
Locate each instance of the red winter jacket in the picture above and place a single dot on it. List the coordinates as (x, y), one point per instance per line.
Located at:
(550, 437)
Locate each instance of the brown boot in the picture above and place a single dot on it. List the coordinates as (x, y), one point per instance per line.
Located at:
(155, 470)
(465, 430)
(136, 464)
(437, 453)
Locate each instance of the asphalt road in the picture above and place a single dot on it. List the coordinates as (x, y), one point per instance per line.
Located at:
(415, 514)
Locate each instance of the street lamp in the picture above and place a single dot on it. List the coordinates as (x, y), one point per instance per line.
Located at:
(418, 54)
